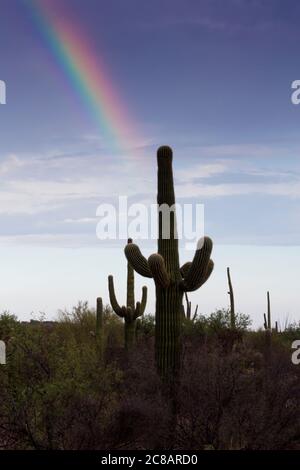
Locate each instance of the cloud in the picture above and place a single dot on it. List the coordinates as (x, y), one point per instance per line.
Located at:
(51, 198)
(33, 184)
(240, 162)
(201, 171)
(245, 150)
(230, 18)
(10, 163)
(37, 183)
(50, 239)
(290, 190)
(83, 220)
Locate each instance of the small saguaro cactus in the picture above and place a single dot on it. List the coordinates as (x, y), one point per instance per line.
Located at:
(99, 317)
(267, 318)
(231, 297)
(131, 311)
(268, 324)
(188, 312)
(171, 281)
(99, 325)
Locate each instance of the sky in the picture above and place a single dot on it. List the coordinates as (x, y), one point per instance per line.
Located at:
(210, 78)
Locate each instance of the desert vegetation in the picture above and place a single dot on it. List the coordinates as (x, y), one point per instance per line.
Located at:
(59, 391)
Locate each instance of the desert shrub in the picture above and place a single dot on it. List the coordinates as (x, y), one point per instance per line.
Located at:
(146, 325)
(57, 394)
(197, 327)
(81, 323)
(235, 401)
(220, 319)
(8, 325)
(291, 333)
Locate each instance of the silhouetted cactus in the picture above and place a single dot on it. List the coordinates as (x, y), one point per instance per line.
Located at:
(170, 281)
(268, 327)
(231, 297)
(267, 318)
(99, 317)
(188, 311)
(99, 325)
(132, 311)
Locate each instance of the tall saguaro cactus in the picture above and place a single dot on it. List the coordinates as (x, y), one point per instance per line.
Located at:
(131, 311)
(171, 281)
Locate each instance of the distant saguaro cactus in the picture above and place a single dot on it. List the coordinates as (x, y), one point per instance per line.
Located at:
(131, 311)
(188, 311)
(171, 281)
(231, 297)
(267, 318)
(99, 326)
(268, 325)
(99, 317)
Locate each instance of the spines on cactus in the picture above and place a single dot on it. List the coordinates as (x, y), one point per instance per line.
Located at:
(171, 281)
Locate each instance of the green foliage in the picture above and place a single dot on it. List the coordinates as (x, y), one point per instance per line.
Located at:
(147, 325)
(52, 371)
(291, 333)
(221, 319)
(197, 327)
(8, 325)
(80, 323)
(216, 322)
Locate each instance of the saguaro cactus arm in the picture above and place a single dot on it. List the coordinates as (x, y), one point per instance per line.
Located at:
(140, 306)
(138, 311)
(157, 267)
(185, 268)
(144, 299)
(113, 300)
(209, 270)
(195, 314)
(201, 266)
(137, 260)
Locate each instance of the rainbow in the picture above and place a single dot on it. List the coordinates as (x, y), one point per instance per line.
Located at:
(87, 73)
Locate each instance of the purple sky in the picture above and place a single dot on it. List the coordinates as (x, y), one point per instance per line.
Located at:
(210, 78)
